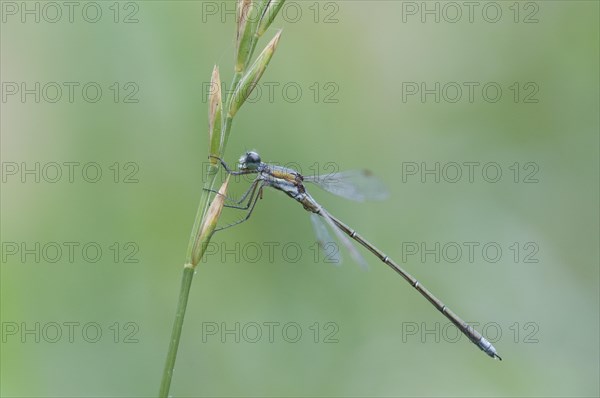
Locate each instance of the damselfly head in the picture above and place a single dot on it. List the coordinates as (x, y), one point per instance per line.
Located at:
(249, 161)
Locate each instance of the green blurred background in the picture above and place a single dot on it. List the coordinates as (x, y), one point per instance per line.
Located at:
(351, 60)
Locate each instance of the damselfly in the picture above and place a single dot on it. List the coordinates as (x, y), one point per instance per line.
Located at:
(357, 185)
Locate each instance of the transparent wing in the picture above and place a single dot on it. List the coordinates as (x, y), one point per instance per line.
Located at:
(326, 242)
(358, 185)
(340, 235)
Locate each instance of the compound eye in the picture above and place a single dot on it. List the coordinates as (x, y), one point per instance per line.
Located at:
(252, 157)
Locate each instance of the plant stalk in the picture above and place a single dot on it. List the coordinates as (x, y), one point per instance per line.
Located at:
(206, 217)
(186, 283)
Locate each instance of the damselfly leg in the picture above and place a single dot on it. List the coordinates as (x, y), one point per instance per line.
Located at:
(256, 195)
(228, 170)
(235, 204)
(252, 195)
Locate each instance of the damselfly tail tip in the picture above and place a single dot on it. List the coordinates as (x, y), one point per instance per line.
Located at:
(496, 356)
